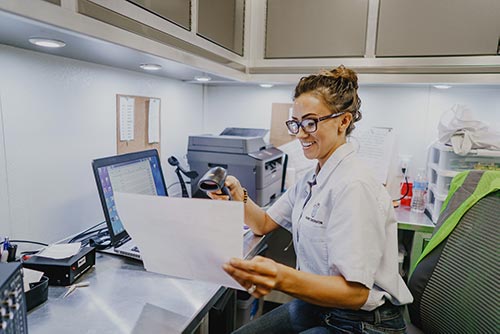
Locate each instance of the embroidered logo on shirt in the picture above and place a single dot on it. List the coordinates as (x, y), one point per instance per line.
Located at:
(315, 210)
(315, 221)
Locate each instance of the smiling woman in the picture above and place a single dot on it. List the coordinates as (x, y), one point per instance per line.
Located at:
(342, 222)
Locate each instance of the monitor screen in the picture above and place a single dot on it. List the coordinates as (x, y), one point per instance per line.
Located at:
(138, 173)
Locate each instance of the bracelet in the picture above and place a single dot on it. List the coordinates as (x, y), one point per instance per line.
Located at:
(245, 195)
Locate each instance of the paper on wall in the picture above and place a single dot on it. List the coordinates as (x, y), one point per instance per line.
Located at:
(184, 237)
(375, 148)
(126, 118)
(154, 121)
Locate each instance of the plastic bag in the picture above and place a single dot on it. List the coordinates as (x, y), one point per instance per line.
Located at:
(459, 128)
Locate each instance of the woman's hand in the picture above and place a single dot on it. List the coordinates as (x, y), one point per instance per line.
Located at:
(261, 272)
(234, 187)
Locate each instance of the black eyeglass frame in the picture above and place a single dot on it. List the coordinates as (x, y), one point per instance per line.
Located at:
(315, 120)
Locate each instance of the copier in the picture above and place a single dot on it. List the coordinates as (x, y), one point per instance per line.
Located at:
(258, 167)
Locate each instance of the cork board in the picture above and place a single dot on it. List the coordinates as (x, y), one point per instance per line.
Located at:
(279, 133)
(140, 141)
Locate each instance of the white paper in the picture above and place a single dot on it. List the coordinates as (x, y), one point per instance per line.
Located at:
(126, 118)
(154, 121)
(60, 251)
(184, 237)
(30, 276)
(375, 148)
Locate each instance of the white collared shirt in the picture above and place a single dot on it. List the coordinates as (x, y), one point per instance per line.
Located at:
(343, 223)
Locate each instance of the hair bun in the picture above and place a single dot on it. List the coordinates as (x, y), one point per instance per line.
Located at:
(341, 72)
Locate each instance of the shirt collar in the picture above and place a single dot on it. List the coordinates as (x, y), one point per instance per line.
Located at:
(331, 164)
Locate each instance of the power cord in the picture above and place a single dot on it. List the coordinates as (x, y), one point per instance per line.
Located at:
(407, 185)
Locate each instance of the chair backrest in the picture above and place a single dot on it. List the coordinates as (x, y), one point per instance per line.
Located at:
(455, 285)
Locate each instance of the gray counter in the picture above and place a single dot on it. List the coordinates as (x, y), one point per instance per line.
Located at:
(123, 298)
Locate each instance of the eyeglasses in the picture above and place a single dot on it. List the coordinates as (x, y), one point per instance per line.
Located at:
(309, 125)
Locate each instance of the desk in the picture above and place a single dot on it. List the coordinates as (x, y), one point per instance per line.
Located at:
(422, 226)
(124, 298)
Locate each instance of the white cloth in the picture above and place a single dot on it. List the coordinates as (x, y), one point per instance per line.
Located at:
(347, 227)
(459, 128)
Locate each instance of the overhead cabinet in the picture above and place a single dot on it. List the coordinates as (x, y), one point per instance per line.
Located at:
(215, 33)
(176, 11)
(316, 28)
(438, 28)
(222, 22)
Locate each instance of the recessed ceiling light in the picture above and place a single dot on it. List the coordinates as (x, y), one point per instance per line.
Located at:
(266, 85)
(442, 86)
(150, 67)
(202, 78)
(46, 42)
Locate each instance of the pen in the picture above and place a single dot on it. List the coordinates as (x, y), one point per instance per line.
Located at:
(74, 286)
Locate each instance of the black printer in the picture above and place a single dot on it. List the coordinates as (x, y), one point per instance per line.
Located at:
(244, 154)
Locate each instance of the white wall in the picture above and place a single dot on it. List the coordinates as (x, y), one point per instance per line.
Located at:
(58, 115)
(413, 111)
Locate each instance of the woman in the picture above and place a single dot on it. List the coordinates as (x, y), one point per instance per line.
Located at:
(342, 222)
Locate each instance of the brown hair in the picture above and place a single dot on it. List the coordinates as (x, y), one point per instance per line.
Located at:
(338, 88)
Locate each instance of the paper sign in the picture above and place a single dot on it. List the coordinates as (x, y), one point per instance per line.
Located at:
(126, 118)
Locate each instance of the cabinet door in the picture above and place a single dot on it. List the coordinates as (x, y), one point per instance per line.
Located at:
(438, 27)
(176, 11)
(316, 28)
(222, 22)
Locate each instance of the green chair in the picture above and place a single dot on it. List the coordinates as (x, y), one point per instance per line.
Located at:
(455, 283)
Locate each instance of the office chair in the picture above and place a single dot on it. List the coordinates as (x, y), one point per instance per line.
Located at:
(455, 281)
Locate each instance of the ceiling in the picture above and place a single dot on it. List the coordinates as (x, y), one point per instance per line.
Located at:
(16, 30)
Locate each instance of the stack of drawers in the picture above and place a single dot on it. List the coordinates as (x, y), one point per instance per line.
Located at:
(444, 164)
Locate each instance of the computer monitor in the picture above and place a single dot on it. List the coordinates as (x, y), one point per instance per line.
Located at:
(137, 173)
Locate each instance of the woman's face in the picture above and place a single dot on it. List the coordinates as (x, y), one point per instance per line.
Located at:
(330, 133)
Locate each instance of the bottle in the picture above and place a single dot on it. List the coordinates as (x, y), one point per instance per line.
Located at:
(5, 251)
(418, 192)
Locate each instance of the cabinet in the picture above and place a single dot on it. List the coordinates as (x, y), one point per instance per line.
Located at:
(222, 22)
(176, 11)
(438, 28)
(322, 28)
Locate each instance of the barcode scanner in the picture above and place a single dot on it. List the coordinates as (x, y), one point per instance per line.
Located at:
(214, 180)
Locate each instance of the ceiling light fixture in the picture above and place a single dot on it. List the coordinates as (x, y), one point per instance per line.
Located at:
(47, 42)
(266, 85)
(150, 67)
(442, 86)
(202, 78)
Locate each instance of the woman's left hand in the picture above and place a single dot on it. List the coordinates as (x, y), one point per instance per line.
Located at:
(262, 272)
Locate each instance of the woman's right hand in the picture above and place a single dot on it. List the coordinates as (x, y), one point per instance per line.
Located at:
(234, 187)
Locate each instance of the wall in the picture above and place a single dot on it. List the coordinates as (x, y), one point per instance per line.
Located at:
(58, 114)
(413, 111)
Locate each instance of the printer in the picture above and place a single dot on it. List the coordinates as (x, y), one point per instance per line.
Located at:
(258, 167)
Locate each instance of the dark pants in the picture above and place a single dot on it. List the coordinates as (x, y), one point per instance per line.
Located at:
(301, 317)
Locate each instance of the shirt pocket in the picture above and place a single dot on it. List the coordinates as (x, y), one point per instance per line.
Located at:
(313, 249)
(312, 231)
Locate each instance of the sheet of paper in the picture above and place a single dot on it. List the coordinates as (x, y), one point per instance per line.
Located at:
(60, 251)
(126, 118)
(375, 148)
(154, 121)
(30, 276)
(184, 237)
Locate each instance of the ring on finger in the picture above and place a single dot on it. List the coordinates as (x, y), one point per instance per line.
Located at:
(252, 289)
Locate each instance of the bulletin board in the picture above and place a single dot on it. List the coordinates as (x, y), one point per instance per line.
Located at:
(279, 133)
(140, 140)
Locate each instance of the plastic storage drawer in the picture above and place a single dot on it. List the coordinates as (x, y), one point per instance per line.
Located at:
(444, 157)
